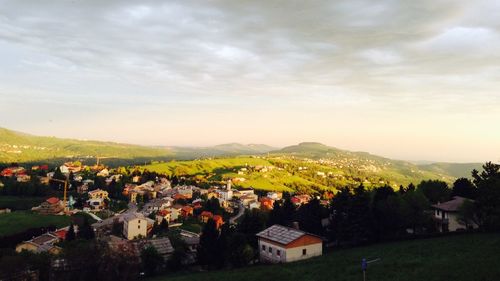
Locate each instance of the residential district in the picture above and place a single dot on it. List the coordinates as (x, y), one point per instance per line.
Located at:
(133, 211)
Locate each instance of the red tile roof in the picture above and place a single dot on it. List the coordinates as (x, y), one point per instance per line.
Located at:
(207, 214)
(53, 200)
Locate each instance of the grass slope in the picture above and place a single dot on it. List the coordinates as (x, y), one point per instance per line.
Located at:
(20, 147)
(20, 221)
(458, 258)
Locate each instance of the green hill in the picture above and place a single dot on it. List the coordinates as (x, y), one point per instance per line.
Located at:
(458, 258)
(453, 169)
(20, 147)
(230, 149)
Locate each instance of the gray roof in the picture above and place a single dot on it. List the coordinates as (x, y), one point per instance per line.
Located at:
(162, 245)
(452, 205)
(281, 234)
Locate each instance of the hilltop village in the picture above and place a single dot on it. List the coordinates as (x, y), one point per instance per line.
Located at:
(161, 223)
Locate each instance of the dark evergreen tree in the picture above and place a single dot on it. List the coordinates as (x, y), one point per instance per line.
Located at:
(70, 235)
(86, 232)
(207, 249)
(465, 188)
(151, 261)
(435, 190)
(488, 196)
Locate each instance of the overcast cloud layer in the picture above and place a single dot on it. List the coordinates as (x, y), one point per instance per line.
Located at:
(404, 79)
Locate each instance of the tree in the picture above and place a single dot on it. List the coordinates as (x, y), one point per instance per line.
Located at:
(164, 226)
(310, 216)
(86, 232)
(70, 235)
(117, 228)
(488, 196)
(151, 261)
(240, 251)
(387, 208)
(415, 205)
(465, 188)
(435, 190)
(208, 243)
(351, 217)
(467, 214)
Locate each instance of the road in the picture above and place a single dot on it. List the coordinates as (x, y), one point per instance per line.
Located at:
(241, 211)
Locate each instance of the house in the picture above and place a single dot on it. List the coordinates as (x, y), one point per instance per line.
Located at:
(275, 195)
(175, 212)
(187, 211)
(446, 215)
(13, 171)
(246, 200)
(185, 191)
(50, 206)
(280, 244)
(300, 199)
(192, 241)
(163, 215)
(95, 205)
(227, 193)
(44, 243)
(218, 221)
(205, 216)
(98, 194)
(97, 199)
(103, 173)
(266, 203)
(156, 205)
(162, 245)
(136, 225)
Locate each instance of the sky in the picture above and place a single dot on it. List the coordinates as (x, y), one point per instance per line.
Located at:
(413, 80)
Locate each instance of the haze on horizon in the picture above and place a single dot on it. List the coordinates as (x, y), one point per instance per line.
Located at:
(414, 80)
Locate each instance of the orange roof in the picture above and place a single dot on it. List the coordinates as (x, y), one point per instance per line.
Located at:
(179, 196)
(61, 233)
(187, 208)
(53, 200)
(207, 214)
(217, 218)
(163, 213)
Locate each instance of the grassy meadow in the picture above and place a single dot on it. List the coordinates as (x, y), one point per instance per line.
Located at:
(20, 221)
(459, 258)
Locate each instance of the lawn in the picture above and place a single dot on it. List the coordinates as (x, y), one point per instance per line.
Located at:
(464, 257)
(20, 221)
(20, 203)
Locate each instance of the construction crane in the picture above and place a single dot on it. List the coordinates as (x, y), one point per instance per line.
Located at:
(66, 208)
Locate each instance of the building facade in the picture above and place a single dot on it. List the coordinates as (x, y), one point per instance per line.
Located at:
(280, 244)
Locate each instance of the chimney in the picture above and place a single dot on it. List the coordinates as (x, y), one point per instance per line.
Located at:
(295, 225)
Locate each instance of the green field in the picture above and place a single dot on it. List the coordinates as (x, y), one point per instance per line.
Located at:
(20, 203)
(458, 258)
(288, 173)
(20, 221)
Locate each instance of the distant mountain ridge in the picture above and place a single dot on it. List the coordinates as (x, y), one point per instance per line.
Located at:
(315, 150)
(21, 147)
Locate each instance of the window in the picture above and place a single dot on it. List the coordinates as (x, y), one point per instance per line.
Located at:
(278, 253)
(304, 252)
(270, 250)
(263, 247)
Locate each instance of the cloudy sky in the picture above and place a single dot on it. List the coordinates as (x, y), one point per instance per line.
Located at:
(416, 80)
